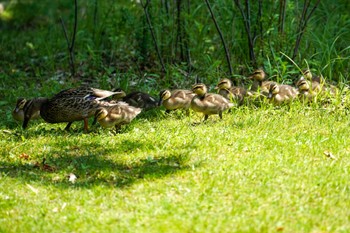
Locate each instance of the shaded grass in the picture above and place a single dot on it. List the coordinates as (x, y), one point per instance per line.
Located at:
(257, 170)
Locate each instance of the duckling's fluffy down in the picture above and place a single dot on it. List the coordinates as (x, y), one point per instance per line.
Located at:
(210, 104)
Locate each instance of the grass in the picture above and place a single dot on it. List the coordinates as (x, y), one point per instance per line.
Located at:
(258, 170)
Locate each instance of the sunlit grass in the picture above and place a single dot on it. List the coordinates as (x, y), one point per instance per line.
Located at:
(257, 170)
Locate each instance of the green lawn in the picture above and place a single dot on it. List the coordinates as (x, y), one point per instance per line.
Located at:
(257, 170)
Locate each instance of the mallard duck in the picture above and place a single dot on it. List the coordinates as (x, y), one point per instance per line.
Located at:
(208, 103)
(18, 113)
(140, 100)
(231, 92)
(176, 99)
(74, 104)
(281, 93)
(116, 115)
(259, 85)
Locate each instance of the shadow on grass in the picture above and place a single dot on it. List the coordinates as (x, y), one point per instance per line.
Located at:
(95, 164)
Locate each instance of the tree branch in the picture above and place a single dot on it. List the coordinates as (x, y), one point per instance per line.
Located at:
(222, 38)
(305, 17)
(145, 8)
(246, 22)
(70, 46)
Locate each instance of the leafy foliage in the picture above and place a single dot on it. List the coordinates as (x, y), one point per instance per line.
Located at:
(115, 36)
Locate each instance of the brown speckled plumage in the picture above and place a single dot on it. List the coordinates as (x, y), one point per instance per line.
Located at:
(208, 103)
(230, 92)
(279, 94)
(69, 105)
(259, 83)
(176, 99)
(116, 115)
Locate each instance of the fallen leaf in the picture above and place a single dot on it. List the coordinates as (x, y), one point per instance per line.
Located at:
(24, 156)
(34, 190)
(48, 168)
(45, 167)
(63, 206)
(72, 178)
(56, 209)
(329, 155)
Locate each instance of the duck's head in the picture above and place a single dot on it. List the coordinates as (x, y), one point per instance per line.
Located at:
(200, 89)
(18, 112)
(307, 74)
(258, 75)
(273, 90)
(20, 104)
(303, 85)
(100, 114)
(163, 95)
(31, 107)
(224, 84)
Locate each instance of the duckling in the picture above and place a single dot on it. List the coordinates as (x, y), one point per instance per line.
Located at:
(259, 85)
(69, 105)
(316, 82)
(140, 100)
(116, 115)
(281, 93)
(311, 94)
(305, 94)
(176, 99)
(319, 84)
(311, 77)
(231, 92)
(208, 103)
(18, 113)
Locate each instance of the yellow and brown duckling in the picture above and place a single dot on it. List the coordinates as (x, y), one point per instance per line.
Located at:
(176, 99)
(259, 83)
(279, 94)
(318, 85)
(308, 94)
(18, 113)
(74, 104)
(311, 77)
(230, 92)
(305, 94)
(116, 115)
(208, 103)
